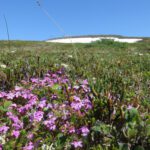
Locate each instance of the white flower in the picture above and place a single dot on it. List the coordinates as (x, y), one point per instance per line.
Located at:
(2, 139)
(64, 65)
(48, 147)
(140, 54)
(3, 66)
(70, 56)
(94, 80)
(13, 51)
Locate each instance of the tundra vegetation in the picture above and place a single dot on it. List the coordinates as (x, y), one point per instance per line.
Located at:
(83, 96)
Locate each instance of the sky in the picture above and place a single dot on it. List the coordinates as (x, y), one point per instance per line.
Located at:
(27, 21)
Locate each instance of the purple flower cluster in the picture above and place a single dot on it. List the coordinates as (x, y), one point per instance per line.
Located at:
(84, 130)
(50, 122)
(37, 116)
(53, 105)
(77, 144)
(30, 146)
(4, 129)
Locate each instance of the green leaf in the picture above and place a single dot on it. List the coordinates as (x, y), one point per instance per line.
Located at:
(148, 130)
(23, 132)
(56, 87)
(2, 109)
(123, 146)
(132, 115)
(7, 104)
(60, 135)
(102, 128)
(139, 148)
(131, 133)
(96, 128)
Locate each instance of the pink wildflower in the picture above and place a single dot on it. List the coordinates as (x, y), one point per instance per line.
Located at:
(30, 135)
(13, 105)
(37, 116)
(42, 104)
(72, 130)
(85, 82)
(77, 105)
(77, 99)
(1, 147)
(4, 129)
(18, 94)
(76, 87)
(15, 133)
(87, 103)
(85, 131)
(30, 146)
(34, 80)
(77, 144)
(2, 94)
(9, 113)
(10, 95)
(17, 88)
(50, 123)
(25, 95)
(129, 107)
(17, 126)
(14, 118)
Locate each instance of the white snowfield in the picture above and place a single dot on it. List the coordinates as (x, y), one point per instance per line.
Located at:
(92, 39)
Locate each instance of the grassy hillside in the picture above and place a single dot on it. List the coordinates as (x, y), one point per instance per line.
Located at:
(118, 76)
(95, 57)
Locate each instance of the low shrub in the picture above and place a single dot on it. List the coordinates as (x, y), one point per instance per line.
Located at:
(46, 112)
(54, 112)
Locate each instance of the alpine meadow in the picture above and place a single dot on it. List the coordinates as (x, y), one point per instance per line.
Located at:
(93, 96)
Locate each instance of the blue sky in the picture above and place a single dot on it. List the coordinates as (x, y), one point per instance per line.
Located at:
(26, 21)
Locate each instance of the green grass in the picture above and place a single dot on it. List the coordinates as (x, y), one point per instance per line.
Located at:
(121, 69)
(113, 64)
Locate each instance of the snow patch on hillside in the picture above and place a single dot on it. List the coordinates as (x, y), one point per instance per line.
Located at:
(93, 39)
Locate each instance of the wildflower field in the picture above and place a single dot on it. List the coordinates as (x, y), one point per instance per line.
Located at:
(82, 96)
